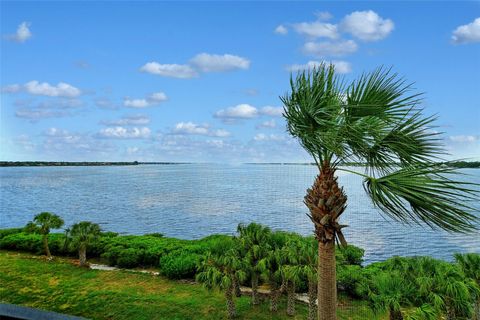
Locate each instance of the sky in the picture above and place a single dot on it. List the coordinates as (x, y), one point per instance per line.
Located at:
(201, 81)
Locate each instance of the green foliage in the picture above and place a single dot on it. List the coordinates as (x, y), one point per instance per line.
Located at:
(46, 221)
(6, 232)
(350, 255)
(180, 264)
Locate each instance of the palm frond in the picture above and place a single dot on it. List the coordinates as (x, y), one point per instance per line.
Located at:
(425, 194)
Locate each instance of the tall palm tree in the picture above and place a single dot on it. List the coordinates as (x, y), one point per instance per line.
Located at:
(42, 223)
(254, 242)
(469, 263)
(83, 233)
(375, 120)
(218, 269)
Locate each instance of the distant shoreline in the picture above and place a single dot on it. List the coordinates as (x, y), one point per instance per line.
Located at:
(457, 164)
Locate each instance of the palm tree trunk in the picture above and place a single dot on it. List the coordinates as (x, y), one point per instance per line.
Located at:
(395, 314)
(327, 286)
(312, 299)
(326, 202)
(274, 296)
(82, 255)
(290, 298)
(236, 286)
(230, 302)
(476, 315)
(255, 300)
(45, 246)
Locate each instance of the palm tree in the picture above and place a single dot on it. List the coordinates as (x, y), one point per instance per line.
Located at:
(66, 240)
(388, 293)
(218, 269)
(83, 233)
(308, 263)
(374, 120)
(470, 265)
(254, 242)
(42, 223)
(291, 270)
(271, 267)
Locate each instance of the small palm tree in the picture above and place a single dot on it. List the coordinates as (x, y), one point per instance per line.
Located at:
(308, 263)
(470, 265)
(388, 293)
(271, 267)
(83, 233)
(254, 242)
(42, 223)
(219, 268)
(374, 120)
(291, 270)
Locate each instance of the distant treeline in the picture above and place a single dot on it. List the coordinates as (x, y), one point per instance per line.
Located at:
(62, 163)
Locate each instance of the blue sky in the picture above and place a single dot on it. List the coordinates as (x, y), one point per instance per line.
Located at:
(200, 81)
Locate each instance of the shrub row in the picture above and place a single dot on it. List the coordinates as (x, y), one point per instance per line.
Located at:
(175, 258)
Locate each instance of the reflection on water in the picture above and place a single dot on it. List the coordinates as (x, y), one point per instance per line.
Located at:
(192, 201)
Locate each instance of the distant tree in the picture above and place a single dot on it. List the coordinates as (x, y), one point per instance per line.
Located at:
(42, 223)
(218, 269)
(254, 242)
(83, 233)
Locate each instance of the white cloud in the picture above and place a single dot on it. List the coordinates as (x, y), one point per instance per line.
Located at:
(267, 124)
(241, 111)
(317, 29)
(271, 111)
(367, 25)
(218, 63)
(34, 87)
(35, 114)
(198, 129)
(467, 33)
(125, 133)
(153, 99)
(56, 132)
(328, 48)
(463, 139)
(323, 15)
(23, 33)
(12, 88)
(135, 120)
(281, 29)
(182, 71)
(268, 137)
(340, 66)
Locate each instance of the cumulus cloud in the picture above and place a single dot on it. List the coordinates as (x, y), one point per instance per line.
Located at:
(271, 111)
(467, 33)
(153, 99)
(22, 34)
(241, 111)
(316, 29)
(463, 138)
(132, 120)
(340, 66)
(281, 29)
(367, 25)
(34, 87)
(330, 48)
(182, 71)
(124, 133)
(267, 124)
(199, 129)
(219, 63)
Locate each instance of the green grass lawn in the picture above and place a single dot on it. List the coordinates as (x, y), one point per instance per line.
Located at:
(61, 286)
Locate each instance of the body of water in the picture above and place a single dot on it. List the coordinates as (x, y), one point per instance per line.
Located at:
(195, 200)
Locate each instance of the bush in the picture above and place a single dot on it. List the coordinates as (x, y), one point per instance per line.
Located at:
(351, 280)
(22, 242)
(6, 232)
(179, 264)
(352, 255)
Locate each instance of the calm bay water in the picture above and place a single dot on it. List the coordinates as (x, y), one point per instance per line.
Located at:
(194, 200)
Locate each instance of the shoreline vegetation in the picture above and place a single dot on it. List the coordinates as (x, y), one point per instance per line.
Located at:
(455, 164)
(212, 269)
